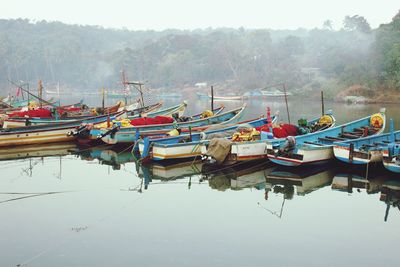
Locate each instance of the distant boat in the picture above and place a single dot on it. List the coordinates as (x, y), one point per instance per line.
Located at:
(253, 93)
(116, 94)
(220, 98)
(202, 95)
(273, 93)
(51, 92)
(170, 95)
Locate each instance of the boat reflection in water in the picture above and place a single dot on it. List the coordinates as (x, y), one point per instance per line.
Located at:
(166, 172)
(305, 179)
(260, 175)
(107, 155)
(237, 177)
(356, 179)
(35, 151)
(378, 182)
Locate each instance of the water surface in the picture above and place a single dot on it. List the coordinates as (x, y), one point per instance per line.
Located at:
(63, 205)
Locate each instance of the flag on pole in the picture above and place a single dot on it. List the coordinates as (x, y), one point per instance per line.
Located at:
(18, 91)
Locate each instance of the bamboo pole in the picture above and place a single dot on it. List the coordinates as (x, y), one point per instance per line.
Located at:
(212, 98)
(322, 103)
(287, 106)
(102, 99)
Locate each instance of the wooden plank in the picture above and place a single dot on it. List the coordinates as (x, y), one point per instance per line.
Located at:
(313, 143)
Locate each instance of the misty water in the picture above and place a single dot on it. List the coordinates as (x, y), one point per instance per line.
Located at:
(64, 205)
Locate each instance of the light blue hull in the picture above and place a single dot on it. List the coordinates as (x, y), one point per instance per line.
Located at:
(395, 169)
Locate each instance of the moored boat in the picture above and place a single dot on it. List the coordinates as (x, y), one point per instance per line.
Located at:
(318, 147)
(186, 146)
(131, 134)
(21, 122)
(220, 98)
(45, 133)
(365, 150)
(242, 149)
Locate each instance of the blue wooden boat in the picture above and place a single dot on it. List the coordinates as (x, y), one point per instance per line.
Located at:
(133, 133)
(318, 147)
(365, 150)
(257, 149)
(187, 145)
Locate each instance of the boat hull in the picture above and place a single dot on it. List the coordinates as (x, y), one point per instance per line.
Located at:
(37, 137)
(303, 156)
(390, 163)
(179, 151)
(358, 157)
(46, 133)
(243, 151)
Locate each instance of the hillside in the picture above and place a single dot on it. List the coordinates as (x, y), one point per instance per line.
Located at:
(90, 57)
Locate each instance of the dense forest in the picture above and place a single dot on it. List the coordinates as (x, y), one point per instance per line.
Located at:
(89, 57)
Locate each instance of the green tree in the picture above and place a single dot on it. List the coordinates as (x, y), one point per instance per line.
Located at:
(356, 23)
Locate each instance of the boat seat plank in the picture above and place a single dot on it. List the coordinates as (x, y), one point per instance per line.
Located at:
(379, 144)
(350, 136)
(336, 138)
(368, 145)
(313, 143)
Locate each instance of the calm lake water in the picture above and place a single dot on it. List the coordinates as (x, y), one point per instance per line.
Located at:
(72, 206)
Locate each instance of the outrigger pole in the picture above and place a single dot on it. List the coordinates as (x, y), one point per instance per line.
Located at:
(30, 94)
(136, 84)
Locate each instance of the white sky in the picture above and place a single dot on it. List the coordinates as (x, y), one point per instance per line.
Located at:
(189, 14)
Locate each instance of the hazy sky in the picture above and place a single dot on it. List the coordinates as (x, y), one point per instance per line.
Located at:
(189, 14)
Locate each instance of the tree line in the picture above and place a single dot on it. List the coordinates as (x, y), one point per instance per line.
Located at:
(89, 57)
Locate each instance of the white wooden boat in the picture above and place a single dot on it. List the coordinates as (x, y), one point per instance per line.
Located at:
(186, 146)
(45, 133)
